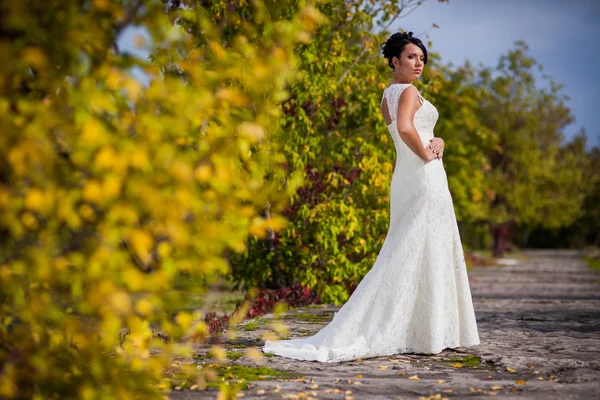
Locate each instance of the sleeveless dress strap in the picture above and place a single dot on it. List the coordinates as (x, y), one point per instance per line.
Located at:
(392, 93)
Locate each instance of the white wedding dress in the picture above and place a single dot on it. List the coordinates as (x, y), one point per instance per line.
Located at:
(416, 298)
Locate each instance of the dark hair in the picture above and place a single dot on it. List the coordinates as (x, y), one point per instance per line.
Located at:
(394, 46)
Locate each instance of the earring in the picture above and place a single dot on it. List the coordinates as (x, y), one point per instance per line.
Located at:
(397, 70)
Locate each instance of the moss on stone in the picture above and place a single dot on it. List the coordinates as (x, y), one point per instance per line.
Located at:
(251, 325)
(234, 355)
(308, 317)
(467, 361)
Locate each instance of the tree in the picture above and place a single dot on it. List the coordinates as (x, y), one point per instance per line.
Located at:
(535, 183)
(110, 191)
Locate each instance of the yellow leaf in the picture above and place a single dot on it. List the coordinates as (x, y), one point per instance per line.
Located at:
(359, 376)
(141, 242)
(138, 159)
(251, 130)
(34, 200)
(35, 57)
(496, 387)
(105, 158)
(414, 378)
(92, 191)
(184, 320)
(457, 365)
(143, 307)
(219, 353)
(203, 173)
(87, 212)
(111, 187)
(520, 382)
(121, 302)
(509, 369)
(383, 367)
(441, 381)
(93, 132)
(29, 221)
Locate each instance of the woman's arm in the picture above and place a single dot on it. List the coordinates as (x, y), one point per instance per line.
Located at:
(407, 107)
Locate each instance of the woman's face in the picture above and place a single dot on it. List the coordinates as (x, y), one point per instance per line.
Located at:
(411, 62)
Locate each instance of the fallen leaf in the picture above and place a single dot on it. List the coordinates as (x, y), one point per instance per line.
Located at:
(359, 376)
(356, 383)
(540, 378)
(383, 367)
(260, 391)
(472, 390)
(530, 366)
(240, 394)
(509, 369)
(348, 392)
(492, 393)
(315, 386)
(414, 378)
(447, 390)
(457, 365)
(496, 387)
(348, 398)
(441, 381)
(520, 382)
(536, 372)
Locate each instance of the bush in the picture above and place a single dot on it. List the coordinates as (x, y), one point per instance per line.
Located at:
(110, 190)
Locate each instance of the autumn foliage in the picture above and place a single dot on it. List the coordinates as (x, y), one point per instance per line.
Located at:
(111, 190)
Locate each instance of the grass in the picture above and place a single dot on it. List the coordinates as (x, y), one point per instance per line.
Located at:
(234, 355)
(466, 361)
(231, 355)
(593, 263)
(251, 325)
(304, 332)
(235, 377)
(243, 372)
(320, 317)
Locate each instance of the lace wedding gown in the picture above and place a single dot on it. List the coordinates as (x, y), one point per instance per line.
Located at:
(416, 298)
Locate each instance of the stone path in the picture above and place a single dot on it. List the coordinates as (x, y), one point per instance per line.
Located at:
(539, 323)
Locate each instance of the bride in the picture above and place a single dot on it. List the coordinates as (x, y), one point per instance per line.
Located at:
(416, 298)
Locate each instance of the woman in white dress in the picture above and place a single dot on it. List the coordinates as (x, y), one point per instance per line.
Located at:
(416, 298)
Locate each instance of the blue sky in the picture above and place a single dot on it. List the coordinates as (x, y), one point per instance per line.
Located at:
(562, 35)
